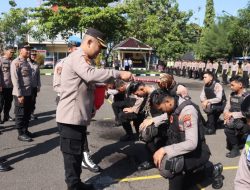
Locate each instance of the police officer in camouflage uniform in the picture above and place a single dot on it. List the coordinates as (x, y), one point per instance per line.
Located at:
(21, 76)
(6, 84)
(36, 81)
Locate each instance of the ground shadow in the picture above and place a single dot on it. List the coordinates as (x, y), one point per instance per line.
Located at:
(123, 159)
(38, 149)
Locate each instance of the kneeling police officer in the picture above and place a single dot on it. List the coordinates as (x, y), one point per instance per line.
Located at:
(241, 181)
(185, 152)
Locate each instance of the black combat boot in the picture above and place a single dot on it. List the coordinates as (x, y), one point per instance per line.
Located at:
(217, 176)
(234, 152)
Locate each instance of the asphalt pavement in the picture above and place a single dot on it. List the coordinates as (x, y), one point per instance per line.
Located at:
(38, 165)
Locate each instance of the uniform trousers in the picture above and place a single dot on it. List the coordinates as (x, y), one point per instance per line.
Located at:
(235, 137)
(212, 119)
(224, 76)
(33, 99)
(72, 140)
(22, 114)
(6, 99)
(246, 79)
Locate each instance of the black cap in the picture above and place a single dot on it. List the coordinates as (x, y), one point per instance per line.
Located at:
(24, 45)
(98, 35)
(245, 107)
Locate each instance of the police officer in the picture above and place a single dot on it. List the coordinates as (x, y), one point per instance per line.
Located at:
(76, 103)
(215, 69)
(6, 84)
(185, 150)
(235, 124)
(209, 66)
(225, 68)
(36, 81)
(242, 177)
(246, 72)
(202, 67)
(21, 75)
(213, 101)
(234, 68)
(72, 46)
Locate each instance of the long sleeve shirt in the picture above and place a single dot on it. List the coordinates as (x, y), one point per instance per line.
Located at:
(21, 76)
(218, 90)
(36, 81)
(188, 122)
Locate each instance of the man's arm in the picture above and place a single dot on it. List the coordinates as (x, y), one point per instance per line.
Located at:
(14, 77)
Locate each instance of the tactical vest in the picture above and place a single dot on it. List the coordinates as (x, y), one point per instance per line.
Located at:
(209, 92)
(195, 158)
(235, 102)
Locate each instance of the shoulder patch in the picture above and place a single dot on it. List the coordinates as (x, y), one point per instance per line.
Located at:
(187, 121)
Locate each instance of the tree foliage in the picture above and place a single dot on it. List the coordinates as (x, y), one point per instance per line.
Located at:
(209, 14)
(159, 24)
(14, 26)
(68, 17)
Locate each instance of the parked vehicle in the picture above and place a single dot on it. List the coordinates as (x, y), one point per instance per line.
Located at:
(48, 62)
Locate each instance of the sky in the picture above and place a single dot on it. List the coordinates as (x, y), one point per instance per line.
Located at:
(230, 6)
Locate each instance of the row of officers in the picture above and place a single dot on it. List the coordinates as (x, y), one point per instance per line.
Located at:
(172, 136)
(19, 80)
(196, 69)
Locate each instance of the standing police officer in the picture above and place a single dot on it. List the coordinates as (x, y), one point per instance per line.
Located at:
(7, 87)
(76, 103)
(225, 68)
(36, 81)
(235, 124)
(246, 72)
(213, 101)
(234, 68)
(241, 181)
(21, 75)
(185, 150)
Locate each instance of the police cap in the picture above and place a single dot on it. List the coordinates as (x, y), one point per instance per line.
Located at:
(33, 52)
(74, 41)
(24, 45)
(245, 107)
(98, 35)
(9, 48)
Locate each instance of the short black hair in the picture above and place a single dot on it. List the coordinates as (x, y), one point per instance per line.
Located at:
(119, 83)
(133, 87)
(237, 78)
(159, 96)
(209, 73)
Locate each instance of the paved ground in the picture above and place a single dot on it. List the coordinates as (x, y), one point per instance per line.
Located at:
(38, 165)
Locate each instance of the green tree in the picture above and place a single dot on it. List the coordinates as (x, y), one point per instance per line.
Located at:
(215, 42)
(209, 14)
(159, 24)
(14, 26)
(66, 17)
(240, 31)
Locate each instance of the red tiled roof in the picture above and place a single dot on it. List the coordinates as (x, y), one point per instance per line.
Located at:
(132, 43)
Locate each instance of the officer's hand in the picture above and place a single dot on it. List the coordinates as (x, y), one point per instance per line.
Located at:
(21, 99)
(204, 103)
(146, 123)
(128, 110)
(158, 156)
(126, 76)
(227, 115)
